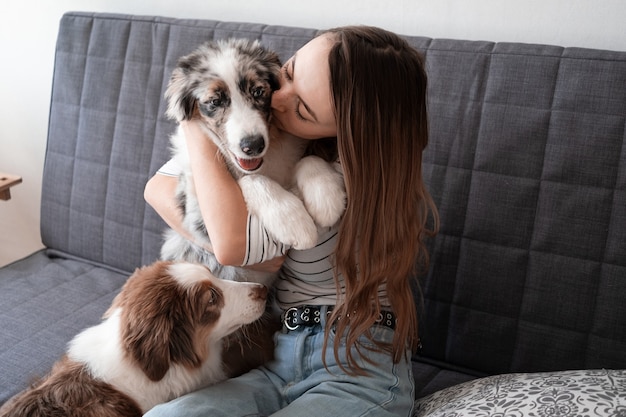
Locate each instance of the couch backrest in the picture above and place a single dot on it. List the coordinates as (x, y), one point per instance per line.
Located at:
(526, 163)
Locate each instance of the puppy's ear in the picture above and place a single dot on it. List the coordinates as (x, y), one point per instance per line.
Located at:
(273, 64)
(181, 88)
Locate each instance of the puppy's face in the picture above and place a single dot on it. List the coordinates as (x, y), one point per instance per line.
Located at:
(171, 311)
(229, 84)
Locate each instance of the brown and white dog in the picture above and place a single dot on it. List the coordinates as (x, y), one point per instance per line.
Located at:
(161, 338)
(228, 86)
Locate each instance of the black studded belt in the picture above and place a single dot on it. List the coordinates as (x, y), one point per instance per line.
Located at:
(306, 316)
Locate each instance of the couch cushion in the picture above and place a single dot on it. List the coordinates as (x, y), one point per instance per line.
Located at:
(431, 377)
(569, 393)
(45, 302)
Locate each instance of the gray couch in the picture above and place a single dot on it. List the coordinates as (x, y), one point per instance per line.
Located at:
(526, 162)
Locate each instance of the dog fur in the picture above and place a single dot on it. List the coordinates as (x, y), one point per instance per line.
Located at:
(228, 85)
(161, 338)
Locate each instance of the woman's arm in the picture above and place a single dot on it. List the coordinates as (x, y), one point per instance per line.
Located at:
(221, 202)
(160, 193)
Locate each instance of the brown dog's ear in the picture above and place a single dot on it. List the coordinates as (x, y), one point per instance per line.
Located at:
(147, 340)
(156, 324)
(146, 327)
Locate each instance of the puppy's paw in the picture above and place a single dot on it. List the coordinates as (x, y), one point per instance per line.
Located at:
(281, 213)
(321, 187)
(290, 223)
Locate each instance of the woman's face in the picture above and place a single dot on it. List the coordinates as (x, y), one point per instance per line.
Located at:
(302, 106)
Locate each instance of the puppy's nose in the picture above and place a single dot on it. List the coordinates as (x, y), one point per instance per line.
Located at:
(252, 145)
(258, 292)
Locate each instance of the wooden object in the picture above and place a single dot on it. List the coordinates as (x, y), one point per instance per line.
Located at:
(6, 182)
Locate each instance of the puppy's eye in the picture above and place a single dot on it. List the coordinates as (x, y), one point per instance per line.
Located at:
(212, 105)
(218, 99)
(258, 92)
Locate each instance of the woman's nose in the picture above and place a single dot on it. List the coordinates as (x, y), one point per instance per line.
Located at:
(279, 98)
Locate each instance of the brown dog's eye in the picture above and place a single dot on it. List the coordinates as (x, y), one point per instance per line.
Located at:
(211, 306)
(213, 297)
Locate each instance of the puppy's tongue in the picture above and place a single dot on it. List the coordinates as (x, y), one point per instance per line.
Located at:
(250, 164)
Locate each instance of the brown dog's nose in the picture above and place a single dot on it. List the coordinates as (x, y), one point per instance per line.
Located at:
(258, 292)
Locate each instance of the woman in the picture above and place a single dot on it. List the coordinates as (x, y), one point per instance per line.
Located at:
(366, 87)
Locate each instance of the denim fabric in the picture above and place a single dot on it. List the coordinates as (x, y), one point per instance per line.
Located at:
(298, 384)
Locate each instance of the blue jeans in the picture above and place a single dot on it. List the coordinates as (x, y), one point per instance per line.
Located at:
(296, 384)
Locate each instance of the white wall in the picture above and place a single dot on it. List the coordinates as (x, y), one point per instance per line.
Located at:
(29, 27)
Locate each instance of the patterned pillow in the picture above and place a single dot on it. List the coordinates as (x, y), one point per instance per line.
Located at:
(549, 394)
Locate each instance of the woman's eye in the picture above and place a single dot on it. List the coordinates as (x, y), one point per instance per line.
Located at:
(299, 115)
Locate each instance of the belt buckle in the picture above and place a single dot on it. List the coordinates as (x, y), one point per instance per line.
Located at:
(286, 319)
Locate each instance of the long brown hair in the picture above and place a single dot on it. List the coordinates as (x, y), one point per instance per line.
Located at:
(378, 87)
